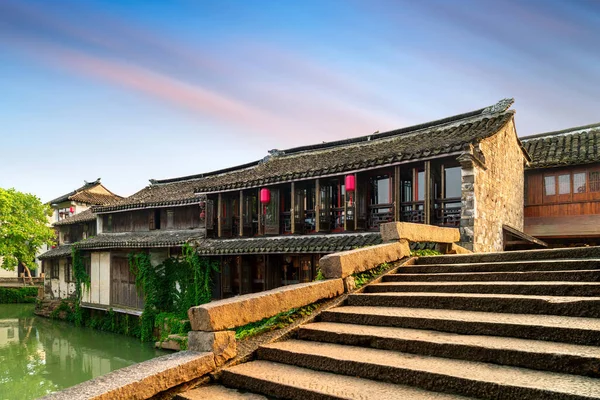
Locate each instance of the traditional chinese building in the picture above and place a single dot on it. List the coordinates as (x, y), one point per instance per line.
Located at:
(562, 185)
(268, 222)
(73, 221)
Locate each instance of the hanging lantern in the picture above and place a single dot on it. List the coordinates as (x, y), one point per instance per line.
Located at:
(72, 210)
(350, 183)
(202, 214)
(265, 196)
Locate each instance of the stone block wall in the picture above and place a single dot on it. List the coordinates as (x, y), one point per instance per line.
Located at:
(492, 191)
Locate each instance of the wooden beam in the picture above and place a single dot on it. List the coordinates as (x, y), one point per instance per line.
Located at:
(317, 204)
(293, 206)
(260, 214)
(397, 193)
(220, 215)
(428, 193)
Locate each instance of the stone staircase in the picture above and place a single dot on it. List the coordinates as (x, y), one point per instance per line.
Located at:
(519, 325)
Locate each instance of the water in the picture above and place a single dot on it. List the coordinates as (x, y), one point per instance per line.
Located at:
(39, 356)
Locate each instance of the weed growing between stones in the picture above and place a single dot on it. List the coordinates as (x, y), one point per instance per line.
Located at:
(361, 278)
(278, 321)
(425, 252)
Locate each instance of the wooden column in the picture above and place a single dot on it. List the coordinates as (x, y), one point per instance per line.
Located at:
(260, 214)
(443, 184)
(356, 203)
(241, 222)
(293, 206)
(317, 205)
(397, 193)
(428, 193)
(219, 215)
(265, 260)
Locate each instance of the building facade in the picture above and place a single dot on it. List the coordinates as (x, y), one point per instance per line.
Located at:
(268, 223)
(562, 186)
(73, 221)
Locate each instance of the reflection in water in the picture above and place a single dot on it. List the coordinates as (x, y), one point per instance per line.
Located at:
(40, 356)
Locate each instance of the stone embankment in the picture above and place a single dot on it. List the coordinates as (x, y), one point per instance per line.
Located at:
(519, 325)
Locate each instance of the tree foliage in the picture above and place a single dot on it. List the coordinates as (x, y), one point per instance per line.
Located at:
(23, 228)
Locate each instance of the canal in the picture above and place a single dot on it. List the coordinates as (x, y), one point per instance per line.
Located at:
(39, 356)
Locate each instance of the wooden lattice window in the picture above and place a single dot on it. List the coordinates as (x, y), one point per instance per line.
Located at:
(594, 178)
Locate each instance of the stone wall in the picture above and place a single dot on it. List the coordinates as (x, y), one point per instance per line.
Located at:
(492, 191)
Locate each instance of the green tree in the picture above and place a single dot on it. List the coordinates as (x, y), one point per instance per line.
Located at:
(23, 229)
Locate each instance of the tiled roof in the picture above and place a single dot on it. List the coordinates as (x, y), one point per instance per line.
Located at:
(447, 136)
(575, 146)
(288, 244)
(60, 251)
(84, 216)
(84, 195)
(157, 238)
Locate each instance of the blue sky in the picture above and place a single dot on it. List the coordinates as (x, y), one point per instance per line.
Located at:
(133, 90)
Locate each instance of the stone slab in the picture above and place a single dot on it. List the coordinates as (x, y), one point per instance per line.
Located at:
(218, 392)
(456, 249)
(290, 382)
(473, 379)
(143, 380)
(393, 231)
(241, 310)
(222, 344)
(346, 263)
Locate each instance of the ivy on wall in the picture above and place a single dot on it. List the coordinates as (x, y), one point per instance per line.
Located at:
(82, 282)
(171, 288)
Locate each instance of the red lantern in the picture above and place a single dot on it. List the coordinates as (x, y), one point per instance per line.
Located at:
(265, 196)
(202, 214)
(72, 210)
(350, 183)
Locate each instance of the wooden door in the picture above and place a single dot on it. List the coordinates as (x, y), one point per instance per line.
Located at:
(123, 290)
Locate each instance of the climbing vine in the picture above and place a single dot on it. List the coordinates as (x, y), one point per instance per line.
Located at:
(171, 288)
(82, 282)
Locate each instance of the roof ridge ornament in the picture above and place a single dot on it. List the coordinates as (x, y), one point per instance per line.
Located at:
(272, 154)
(499, 107)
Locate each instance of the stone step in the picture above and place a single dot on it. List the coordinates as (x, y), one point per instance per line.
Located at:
(508, 266)
(575, 330)
(467, 378)
(290, 382)
(522, 255)
(218, 392)
(572, 276)
(540, 288)
(533, 354)
(588, 307)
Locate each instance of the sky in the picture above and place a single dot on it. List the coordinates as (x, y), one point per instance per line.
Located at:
(136, 90)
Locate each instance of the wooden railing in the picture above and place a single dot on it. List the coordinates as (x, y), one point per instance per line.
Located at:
(412, 211)
(447, 212)
(379, 214)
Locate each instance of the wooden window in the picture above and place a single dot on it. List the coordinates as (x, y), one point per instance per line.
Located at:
(109, 226)
(170, 216)
(564, 184)
(154, 219)
(594, 178)
(68, 272)
(579, 182)
(54, 269)
(550, 185)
